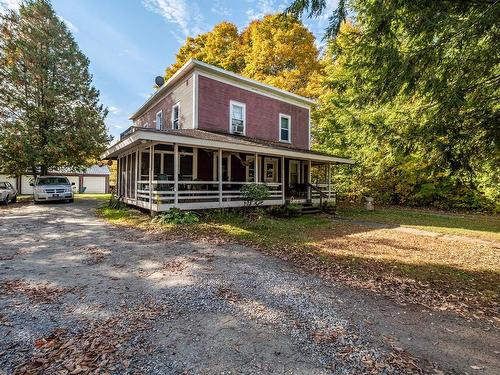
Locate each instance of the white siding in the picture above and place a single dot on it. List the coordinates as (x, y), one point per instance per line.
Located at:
(94, 184)
(76, 180)
(4, 178)
(25, 184)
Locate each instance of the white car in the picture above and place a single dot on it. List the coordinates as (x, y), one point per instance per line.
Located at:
(52, 188)
(7, 192)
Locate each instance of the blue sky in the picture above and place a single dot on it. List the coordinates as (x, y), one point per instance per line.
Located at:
(129, 42)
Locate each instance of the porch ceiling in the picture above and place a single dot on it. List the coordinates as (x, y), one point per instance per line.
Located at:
(206, 139)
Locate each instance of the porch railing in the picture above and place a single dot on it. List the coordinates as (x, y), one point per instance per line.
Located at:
(188, 192)
(321, 192)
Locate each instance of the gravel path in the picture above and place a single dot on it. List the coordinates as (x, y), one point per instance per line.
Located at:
(78, 295)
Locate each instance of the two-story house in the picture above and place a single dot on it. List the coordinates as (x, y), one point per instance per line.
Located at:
(207, 132)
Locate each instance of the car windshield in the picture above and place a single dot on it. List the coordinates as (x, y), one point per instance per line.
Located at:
(52, 181)
(3, 185)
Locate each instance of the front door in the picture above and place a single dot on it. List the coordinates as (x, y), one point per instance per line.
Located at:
(293, 173)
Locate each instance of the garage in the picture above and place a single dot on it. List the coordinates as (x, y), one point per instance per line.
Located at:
(94, 184)
(94, 180)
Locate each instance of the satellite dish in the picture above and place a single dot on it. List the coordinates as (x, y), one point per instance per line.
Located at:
(159, 81)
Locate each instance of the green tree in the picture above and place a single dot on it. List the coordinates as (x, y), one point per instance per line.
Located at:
(50, 114)
(417, 84)
(277, 50)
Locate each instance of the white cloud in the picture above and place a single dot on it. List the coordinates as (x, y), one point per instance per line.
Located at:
(188, 18)
(260, 9)
(220, 10)
(113, 110)
(69, 25)
(9, 5)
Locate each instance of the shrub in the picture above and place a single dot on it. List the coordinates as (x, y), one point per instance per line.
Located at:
(115, 203)
(176, 216)
(286, 210)
(254, 194)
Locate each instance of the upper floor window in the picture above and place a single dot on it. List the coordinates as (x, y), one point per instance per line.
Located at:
(237, 120)
(159, 120)
(175, 116)
(285, 128)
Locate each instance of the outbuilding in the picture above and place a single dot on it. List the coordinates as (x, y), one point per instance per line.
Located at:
(94, 180)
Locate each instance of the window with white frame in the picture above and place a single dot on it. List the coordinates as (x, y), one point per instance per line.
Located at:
(270, 170)
(175, 116)
(237, 118)
(159, 120)
(285, 128)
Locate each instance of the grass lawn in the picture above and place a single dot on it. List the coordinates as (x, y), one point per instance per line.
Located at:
(104, 197)
(456, 274)
(475, 225)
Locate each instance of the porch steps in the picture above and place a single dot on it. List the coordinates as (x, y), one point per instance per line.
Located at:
(309, 209)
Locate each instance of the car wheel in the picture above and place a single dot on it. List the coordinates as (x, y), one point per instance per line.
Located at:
(6, 200)
(14, 200)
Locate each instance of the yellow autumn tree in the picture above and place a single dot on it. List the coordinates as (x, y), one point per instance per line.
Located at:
(278, 50)
(220, 47)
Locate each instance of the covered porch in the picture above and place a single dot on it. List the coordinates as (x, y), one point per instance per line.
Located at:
(192, 173)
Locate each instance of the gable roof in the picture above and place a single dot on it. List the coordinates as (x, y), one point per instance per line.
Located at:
(193, 64)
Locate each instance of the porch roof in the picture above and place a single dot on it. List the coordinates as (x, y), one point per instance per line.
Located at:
(202, 138)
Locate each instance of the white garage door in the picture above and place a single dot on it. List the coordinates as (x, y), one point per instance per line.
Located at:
(76, 180)
(25, 184)
(4, 178)
(94, 185)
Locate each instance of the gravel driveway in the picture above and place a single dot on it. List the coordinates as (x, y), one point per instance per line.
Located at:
(78, 295)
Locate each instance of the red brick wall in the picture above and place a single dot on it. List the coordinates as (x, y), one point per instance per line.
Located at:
(182, 93)
(262, 112)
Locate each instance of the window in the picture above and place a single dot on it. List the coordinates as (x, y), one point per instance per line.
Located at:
(237, 118)
(175, 116)
(250, 168)
(159, 120)
(285, 125)
(270, 170)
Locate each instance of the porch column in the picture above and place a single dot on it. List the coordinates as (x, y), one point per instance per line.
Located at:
(125, 182)
(151, 172)
(256, 164)
(309, 191)
(137, 153)
(219, 174)
(195, 163)
(118, 177)
(283, 180)
(329, 180)
(176, 175)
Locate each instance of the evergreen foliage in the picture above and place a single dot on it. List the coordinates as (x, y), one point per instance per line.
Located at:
(50, 114)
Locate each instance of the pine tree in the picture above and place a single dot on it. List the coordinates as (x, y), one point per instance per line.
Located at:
(50, 115)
